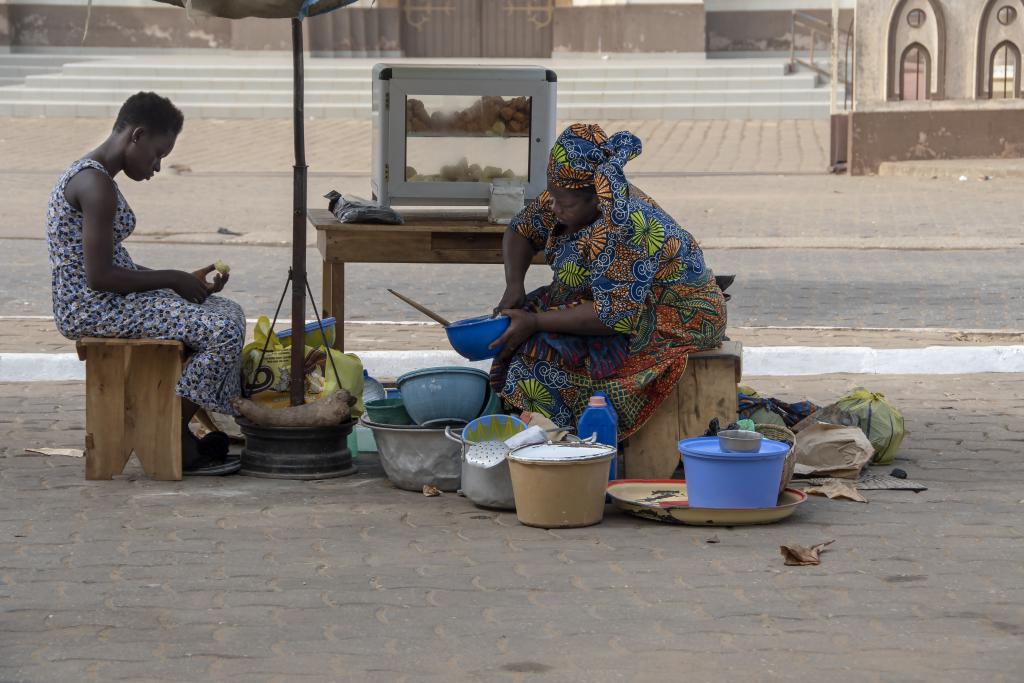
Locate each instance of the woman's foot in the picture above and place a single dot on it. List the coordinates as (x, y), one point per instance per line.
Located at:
(206, 456)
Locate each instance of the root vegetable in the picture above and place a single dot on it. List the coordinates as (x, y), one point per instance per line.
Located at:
(327, 412)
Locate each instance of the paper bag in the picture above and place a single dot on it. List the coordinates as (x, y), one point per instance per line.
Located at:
(827, 450)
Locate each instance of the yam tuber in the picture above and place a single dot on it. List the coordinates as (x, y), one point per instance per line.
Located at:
(331, 410)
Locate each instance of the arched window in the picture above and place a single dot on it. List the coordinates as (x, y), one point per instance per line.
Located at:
(1004, 72)
(1000, 43)
(915, 72)
(915, 51)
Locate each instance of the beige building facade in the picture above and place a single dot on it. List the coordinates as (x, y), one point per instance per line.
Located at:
(936, 79)
(429, 28)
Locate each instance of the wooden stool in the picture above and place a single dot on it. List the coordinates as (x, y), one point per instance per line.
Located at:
(130, 406)
(706, 390)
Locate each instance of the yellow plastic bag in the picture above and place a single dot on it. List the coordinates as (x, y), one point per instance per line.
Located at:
(266, 376)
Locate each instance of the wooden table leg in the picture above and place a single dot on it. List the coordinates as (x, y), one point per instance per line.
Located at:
(334, 299)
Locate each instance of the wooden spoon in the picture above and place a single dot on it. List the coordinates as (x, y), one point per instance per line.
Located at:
(422, 309)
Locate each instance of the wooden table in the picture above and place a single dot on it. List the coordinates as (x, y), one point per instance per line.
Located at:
(421, 240)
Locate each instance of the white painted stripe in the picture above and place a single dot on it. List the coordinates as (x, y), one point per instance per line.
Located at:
(777, 361)
(41, 367)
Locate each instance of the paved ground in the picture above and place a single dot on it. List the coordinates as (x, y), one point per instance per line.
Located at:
(258, 580)
(240, 179)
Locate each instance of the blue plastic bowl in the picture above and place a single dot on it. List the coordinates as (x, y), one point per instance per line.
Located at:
(451, 393)
(730, 479)
(471, 337)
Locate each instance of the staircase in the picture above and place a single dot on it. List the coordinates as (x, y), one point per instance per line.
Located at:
(15, 68)
(226, 87)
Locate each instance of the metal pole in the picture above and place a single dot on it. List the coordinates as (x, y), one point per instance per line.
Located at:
(792, 41)
(833, 107)
(298, 226)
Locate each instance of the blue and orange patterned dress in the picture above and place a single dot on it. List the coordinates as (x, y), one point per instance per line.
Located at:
(644, 275)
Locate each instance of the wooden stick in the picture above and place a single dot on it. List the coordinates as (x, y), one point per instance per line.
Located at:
(422, 309)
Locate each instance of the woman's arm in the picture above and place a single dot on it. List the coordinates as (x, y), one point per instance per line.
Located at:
(581, 319)
(94, 194)
(517, 253)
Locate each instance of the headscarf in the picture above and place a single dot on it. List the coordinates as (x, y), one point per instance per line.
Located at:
(584, 156)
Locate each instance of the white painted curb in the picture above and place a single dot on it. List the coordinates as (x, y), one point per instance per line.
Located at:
(758, 361)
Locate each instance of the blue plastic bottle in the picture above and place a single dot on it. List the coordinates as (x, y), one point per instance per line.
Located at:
(599, 418)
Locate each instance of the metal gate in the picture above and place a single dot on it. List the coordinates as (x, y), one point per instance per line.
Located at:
(477, 28)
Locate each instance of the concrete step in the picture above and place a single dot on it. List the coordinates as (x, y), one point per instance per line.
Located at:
(356, 97)
(161, 83)
(61, 94)
(361, 70)
(262, 88)
(231, 110)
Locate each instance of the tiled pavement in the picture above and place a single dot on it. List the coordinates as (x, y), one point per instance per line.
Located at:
(351, 580)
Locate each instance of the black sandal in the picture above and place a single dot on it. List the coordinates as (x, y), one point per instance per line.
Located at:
(213, 458)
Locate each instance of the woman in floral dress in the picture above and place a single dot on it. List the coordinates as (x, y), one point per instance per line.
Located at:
(630, 299)
(99, 291)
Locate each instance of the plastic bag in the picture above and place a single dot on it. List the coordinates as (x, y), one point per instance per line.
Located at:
(826, 450)
(266, 377)
(764, 410)
(352, 209)
(507, 199)
(880, 421)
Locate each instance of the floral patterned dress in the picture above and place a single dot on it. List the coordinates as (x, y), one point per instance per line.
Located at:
(646, 278)
(213, 330)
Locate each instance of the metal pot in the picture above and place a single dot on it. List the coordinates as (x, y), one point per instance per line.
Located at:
(485, 478)
(414, 457)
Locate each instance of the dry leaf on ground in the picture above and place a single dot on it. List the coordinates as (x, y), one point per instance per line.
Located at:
(834, 488)
(70, 452)
(430, 491)
(802, 556)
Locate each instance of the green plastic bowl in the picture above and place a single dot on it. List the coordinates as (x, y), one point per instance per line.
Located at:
(388, 411)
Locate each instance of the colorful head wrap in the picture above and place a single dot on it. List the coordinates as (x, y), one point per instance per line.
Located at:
(585, 156)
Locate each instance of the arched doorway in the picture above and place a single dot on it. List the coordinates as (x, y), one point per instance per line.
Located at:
(916, 45)
(915, 72)
(1004, 72)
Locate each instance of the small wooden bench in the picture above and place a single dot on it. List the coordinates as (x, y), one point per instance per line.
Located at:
(706, 390)
(130, 406)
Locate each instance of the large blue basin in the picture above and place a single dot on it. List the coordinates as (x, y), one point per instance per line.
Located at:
(452, 393)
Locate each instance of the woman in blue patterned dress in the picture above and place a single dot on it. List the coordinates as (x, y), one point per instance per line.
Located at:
(631, 296)
(99, 291)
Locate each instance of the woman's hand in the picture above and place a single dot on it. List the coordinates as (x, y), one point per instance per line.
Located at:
(189, 286)
(514, 297)
(219, 280)
(522, 327)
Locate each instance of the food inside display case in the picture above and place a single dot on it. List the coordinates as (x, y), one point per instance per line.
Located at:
(488, 115)
(466, 139)
(447, 135)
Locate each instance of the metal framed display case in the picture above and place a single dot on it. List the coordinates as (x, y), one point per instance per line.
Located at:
(443, 133)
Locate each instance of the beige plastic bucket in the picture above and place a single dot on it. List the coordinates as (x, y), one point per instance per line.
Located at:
(560, 485)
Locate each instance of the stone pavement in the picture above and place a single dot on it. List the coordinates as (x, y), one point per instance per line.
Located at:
(237, 175)
(265, 145)
(351, 580)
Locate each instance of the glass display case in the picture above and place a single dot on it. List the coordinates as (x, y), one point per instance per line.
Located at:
(443, 134)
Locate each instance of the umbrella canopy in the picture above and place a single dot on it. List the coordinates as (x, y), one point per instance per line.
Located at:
(262, 9)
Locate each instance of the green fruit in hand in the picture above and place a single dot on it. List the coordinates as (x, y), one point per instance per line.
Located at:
(222, 267)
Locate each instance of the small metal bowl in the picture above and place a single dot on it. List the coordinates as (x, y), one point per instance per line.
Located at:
(739, 441)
